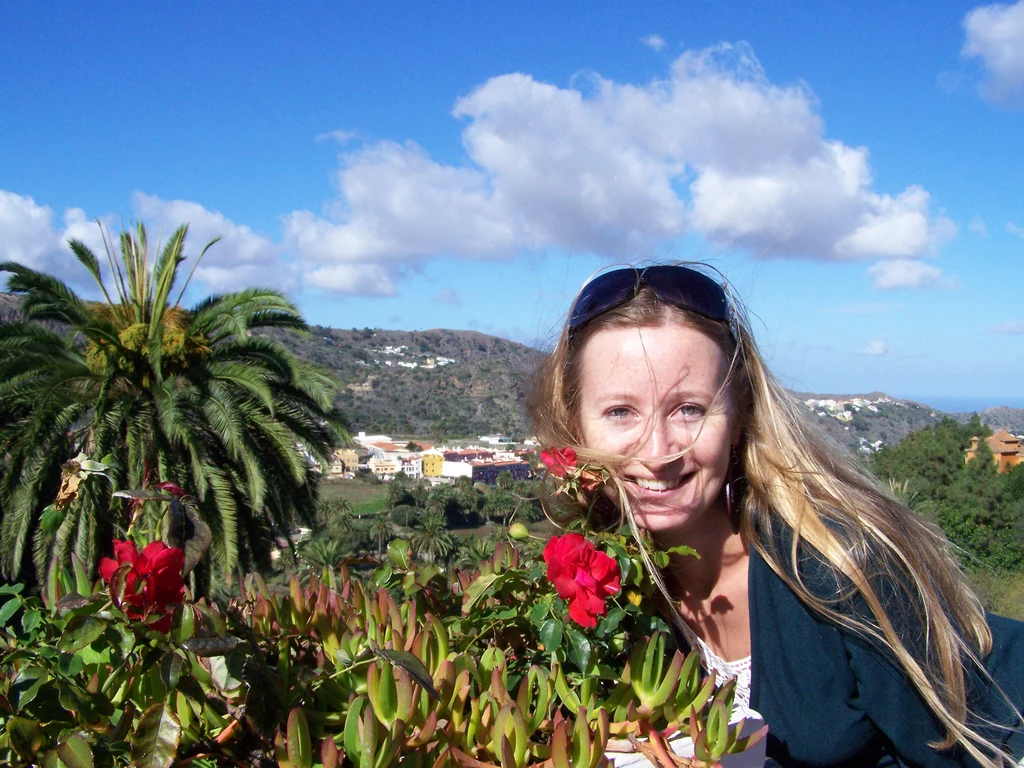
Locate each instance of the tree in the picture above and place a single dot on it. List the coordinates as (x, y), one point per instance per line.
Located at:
(382, 531)
(431, 537)
(189, 395)
(500, 505)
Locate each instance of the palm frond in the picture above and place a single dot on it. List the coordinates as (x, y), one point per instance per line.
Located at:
(88, 260)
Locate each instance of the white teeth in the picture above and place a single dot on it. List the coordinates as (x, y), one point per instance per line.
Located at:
(657, 485)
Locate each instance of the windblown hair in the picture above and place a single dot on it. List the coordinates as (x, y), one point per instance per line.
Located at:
(912, 595)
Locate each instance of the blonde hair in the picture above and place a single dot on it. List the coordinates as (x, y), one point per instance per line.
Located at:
(921, 605)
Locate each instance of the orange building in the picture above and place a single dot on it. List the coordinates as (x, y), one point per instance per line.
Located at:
(1007, 452)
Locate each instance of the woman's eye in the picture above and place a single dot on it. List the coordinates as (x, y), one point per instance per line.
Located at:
(617, 413)
(691, 411)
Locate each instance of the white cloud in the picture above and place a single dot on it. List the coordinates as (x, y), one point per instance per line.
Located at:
(995, 34)
(1013, 229)
(904, 273)
(1015, 328)
(617, 169)
(356, 279)
(240, 259)
(654, 42)
(977, 227)
(29, 236)
(448, 296)
(342, 137)
(875, 347)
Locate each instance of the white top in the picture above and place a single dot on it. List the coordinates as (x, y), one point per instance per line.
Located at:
(725, 670)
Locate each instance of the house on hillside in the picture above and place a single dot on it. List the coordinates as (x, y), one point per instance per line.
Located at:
(433, 461)
(488, 471)
(343, 460)
(1007, 451)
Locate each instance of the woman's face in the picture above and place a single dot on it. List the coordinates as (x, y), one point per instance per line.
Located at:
(648, 393)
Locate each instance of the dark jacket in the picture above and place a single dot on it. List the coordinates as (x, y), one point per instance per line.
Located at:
(832, 698)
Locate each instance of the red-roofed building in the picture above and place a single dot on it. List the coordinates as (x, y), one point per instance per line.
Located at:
(1007, 451)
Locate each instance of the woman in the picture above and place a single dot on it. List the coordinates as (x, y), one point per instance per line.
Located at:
(846, 617)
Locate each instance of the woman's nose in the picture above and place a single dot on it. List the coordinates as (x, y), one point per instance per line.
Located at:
(659, 440)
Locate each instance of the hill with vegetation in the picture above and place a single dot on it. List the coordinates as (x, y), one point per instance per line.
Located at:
(436, 383)
(446, 383)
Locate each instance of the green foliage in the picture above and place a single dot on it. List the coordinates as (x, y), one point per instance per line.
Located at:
(415, 665)
(168, 393)
(980, 510)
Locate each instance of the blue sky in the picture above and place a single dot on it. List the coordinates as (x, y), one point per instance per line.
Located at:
(854, 169)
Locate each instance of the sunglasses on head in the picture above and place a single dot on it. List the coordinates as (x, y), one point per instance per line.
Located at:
(681, 287)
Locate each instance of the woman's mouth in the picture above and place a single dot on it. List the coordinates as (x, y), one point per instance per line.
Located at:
(657, 485)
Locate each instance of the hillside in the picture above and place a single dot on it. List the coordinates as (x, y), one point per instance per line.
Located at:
(428, 383)
(1010, 419)
(447, 383)
(863, 423)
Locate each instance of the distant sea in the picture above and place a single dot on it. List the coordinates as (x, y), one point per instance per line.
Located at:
(966, 404)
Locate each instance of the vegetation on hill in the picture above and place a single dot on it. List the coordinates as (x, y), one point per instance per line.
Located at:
(1010, 419)
(980, 510)
(476, 383)
(160, 392)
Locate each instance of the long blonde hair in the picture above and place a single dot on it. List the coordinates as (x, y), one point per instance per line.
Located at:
(800, 483)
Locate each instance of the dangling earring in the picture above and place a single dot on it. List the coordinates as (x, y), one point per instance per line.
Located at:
(733, 491)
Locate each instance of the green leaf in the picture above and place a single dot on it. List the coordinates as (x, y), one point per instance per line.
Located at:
(75, 753)
(11, 589)
(538, 612)
(684, 550)
(299, 750)
(477, 589)
(51, 519)
(171, 667)
(26, 736)
(551, 635)
(83, 585)
(400, 553)
(222, 676)
(71, 664)
(411, 664)
(579, 648)
(26, 685)
(30, 621)
(8, 609)
(80, 632)
(610, 622)
(382, 575)
(155, 744)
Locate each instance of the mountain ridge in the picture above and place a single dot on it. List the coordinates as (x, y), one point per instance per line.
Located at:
(446, 383)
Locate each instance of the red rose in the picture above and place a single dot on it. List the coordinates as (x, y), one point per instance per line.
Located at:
(153, 585)
(559, 460)
(581, 575)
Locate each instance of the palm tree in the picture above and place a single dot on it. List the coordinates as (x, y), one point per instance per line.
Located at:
(397, 493)
(500, 504)
(191, 396)
(323, 551)
(432, 538)
(335, 515)
(473, 550)
(382, 530)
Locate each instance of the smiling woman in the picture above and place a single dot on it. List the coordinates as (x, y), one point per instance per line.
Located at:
(843, 615)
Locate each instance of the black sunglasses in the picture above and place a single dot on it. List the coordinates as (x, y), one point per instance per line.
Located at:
(681, 287)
